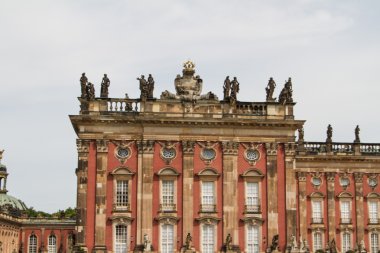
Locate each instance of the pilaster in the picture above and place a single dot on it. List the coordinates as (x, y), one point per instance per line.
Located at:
(301, 177)
(100, 199)
(331, 204)
(230, 178)
(188, 194)
(291, 189)
(272, 190)
(145, 190)
(81, 172)
(359, 206)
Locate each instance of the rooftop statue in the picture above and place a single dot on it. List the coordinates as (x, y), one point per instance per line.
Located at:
(143, 87)
(90, 91)
(150, 86)
(286, 95)
(83, 84)
(329, 133)
(357, 137)
(104, 87)
(226, 88)
(188, 87)
(235, 87)
(270, 89)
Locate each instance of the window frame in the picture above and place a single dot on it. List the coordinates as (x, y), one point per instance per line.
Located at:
(168, 174)
(34, 245)
(52, 248)
(254, 226)
(122, 174)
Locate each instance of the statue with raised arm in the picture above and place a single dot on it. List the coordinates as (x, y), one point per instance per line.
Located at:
(234, 88)
(83, 83)
(226, 88)
(286, 95)
(104, 87)
(357, 132)
(270, 89)
(143, 87)
(150, 86)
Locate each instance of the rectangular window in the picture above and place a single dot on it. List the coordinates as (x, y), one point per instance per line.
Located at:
(167, 193)
(122, 193)
(317, 211)
(208, 203)
(317, 241)
(373, 210)
(207, 239)
(167, 238)
(121, 239)
(345, 211)
(374, 243)
(252, 239)
(346, 244)
(252, 197)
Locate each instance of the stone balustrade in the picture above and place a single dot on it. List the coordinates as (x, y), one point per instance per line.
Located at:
(315, 148)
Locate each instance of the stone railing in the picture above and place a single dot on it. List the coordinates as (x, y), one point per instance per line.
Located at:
(167, 207)
(252, 208)
(123, 105)
(259, 109)
(316, 220)
(121, 208)
(208, 208)
(314, 148)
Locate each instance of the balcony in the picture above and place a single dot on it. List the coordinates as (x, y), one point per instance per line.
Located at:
(317, 220)
(168, 207)
(121, 208)
(373, 221)
(345, 220)
(208, 208)
(252, 208)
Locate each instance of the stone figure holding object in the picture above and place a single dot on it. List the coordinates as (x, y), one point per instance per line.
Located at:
(150, 86)
(270, 90)
(143, 87)
(234, 88)
(226, 88)
(83, 83)
(90, 91)
(104, 87)
(229, 242)
(357, 132)
(189, 242)
(329, 133)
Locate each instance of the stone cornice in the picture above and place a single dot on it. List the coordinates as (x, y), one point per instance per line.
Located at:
(102, 146)
(271, 148)
(188, 146)
(145, 146)
(358, 177)
(230, 147)
(83, 145)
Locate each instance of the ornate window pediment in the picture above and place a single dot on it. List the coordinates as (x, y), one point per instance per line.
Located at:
(252, 173)
(208, 173)
(167, 219)
(317, 195)
(210, 220)
(373, 195)
(168, 172)
(253, 221)
(123, 220)
(122, 172)
(345, 195)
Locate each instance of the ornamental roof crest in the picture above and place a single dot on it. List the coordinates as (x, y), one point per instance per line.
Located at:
(188, 86)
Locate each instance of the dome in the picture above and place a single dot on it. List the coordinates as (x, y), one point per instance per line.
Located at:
(6, 199)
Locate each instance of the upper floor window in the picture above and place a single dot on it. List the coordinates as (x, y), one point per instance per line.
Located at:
(167, 195)
(122, 193)
(317, 211)
(208, 238)
(167, 238)
(120, 241)
(208, 201)
(374, 243)
(32, 244)
(373, 212)
(52, 244)
(253, 239)
(345, 212)
(252, 200)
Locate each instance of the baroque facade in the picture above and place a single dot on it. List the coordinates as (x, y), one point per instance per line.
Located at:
(191, 173)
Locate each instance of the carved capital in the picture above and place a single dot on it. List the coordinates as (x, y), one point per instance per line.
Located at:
(290, 149)
(358, 177)
(271, 148)
(188, 147)
(330, 176)
(146, 147)
(301, 176)
(230, 147)
(102, 146)
(83, 145)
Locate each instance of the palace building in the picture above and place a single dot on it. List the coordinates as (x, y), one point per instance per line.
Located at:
(189, 172)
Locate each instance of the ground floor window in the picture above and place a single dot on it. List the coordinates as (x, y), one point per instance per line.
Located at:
(252, 239)
(317, 241)
(167, 238)
(52, 244)
(33, 244)
(208, 239)
(374, 243)
(346, 242)
(120, 239)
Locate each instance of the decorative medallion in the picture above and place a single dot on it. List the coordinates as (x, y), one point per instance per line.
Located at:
(123, 151)
(208, 152)
(316, 181)
(372, 181)
(168, 151)
(344, 182)
(252, 153)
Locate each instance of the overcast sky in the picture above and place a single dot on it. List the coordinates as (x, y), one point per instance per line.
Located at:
(331, 49)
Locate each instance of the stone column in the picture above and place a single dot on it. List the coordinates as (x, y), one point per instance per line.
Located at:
(145, 197)
(359, 207)
(100, 199)
(272, 190)
(188, 194)
(81, 172)
(302, 204)
(230, 178)
(291, 189)
(331, 204)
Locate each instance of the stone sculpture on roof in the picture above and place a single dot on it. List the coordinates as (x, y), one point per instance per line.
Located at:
(188, 87)
(104, 87)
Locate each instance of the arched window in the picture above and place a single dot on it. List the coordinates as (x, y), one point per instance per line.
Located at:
(317, 241)
(252, 239)
(167, 238)
(120, 239)
(208, 238)
(32, 244)
(374, 243)
(52, 244)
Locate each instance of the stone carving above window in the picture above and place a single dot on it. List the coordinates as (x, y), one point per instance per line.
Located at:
(252, 153)
(208, 152)
(123, 151)
(168, 151)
